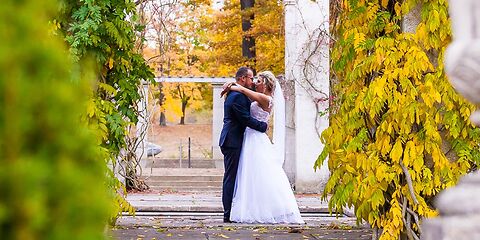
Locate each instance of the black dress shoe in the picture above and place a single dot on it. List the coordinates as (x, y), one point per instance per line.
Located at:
(226, 220)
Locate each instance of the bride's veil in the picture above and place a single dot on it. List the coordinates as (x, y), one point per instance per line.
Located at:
(279, 123)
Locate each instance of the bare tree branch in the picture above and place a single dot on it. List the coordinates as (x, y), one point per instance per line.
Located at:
(409, 182)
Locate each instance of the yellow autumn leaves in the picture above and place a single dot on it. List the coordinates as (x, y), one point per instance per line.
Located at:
(400, 134)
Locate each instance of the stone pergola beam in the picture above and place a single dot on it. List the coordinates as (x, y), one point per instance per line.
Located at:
(194, 79)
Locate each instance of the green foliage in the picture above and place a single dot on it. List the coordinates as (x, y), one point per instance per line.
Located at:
(398, 119)
(50, 171)
(105, 30)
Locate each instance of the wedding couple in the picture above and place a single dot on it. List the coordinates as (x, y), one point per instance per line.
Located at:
(255, 187)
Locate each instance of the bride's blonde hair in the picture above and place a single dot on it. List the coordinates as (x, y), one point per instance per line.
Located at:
(268, 79)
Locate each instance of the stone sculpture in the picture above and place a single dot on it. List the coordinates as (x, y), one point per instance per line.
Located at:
(459, 206)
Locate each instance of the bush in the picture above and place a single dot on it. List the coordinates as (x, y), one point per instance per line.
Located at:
(51, 179)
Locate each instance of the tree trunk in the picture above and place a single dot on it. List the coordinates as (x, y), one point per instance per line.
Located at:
(248, 42)
(163, 121)
(184, 107)
(161, 100)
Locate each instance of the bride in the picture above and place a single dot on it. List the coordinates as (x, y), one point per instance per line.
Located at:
(262, 191)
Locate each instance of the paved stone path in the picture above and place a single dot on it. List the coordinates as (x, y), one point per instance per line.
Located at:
(199, 216)
(211, 227)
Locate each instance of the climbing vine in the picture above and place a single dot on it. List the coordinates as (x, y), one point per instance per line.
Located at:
(400, 133)
(105, 32)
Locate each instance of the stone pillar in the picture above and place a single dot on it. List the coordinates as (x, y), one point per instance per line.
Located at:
(142, 124)
(289, 165)
(306, 23)
(217, 120)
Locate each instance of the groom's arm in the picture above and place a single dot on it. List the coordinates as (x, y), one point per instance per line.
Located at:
(241, 109)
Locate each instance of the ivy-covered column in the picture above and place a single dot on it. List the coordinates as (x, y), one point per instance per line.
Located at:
(307, 64)
(290, 47)
(143, 123)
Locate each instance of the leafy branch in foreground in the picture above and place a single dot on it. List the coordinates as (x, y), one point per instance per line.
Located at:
(400, 134)
(106, 31)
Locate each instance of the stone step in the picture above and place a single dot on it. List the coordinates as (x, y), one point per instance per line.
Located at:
(216, 189)
(175, 163)
(210, 200)
(184, 183)
(184, 165)
(184, 179)
(148, 172)
(212, 178)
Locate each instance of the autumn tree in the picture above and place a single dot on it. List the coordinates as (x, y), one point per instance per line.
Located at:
(223, 37)
(193, 39)
(177, 52)
(400, 134)
(52, 174)
(182, 95)
(159, 19)
(248, 41)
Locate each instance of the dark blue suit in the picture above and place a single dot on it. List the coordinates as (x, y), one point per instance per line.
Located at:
(236, 119)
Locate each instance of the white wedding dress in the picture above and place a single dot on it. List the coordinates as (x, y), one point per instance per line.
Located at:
(262, 190)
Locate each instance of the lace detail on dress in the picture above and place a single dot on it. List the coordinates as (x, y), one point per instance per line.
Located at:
(258, 113)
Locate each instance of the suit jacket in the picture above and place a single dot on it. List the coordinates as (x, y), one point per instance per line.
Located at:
(236, 118)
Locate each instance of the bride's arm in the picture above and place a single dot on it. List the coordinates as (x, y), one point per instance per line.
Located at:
(261, 98)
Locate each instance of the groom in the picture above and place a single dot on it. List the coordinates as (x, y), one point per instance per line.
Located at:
(236, 119)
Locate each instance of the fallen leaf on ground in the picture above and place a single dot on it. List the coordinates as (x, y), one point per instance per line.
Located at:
(295, 230)
(261, 230)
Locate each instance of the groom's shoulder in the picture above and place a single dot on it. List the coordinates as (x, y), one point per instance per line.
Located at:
(234, 95)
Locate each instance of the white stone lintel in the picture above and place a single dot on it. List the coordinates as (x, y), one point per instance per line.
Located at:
(194, 79)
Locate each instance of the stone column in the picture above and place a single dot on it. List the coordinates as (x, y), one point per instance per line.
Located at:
(289, 165)
(306, 25)
(142, 124)
(217, 120)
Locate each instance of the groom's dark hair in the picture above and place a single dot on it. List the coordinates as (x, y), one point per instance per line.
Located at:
(242, 71)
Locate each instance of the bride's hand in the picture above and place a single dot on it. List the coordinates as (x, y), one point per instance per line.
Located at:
(226, 88)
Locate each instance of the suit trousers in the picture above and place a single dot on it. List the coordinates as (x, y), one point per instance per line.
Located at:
(231, 157)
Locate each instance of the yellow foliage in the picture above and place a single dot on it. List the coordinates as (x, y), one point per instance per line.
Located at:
(398, 118)
(209, 43)
(224, 38)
